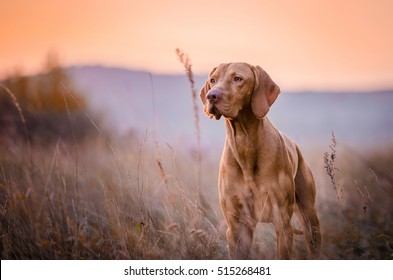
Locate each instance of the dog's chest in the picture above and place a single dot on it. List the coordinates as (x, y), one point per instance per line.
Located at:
(244, 147)
(243, 193)
(244, 177)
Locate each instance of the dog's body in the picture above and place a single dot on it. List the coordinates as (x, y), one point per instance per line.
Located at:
(263, 176)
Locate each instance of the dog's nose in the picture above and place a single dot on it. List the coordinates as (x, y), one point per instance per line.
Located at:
(213, 95)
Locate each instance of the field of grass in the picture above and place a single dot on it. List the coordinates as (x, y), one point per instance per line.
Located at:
(95, 201)
(137, 199)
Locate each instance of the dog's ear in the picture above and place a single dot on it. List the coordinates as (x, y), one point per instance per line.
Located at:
(265, 92)
(206, 87)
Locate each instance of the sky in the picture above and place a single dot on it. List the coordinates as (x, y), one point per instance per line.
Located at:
(303, 45)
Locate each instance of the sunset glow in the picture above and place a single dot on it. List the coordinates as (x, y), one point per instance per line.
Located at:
(303, 44)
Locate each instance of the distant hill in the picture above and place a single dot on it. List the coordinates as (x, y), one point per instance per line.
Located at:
(137, 101)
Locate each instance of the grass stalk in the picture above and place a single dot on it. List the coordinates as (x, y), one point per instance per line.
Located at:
(185, 60)
(331, 169)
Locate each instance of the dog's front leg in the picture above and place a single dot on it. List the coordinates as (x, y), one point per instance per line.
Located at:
(284, 235)
(241, 226)
(239, 238)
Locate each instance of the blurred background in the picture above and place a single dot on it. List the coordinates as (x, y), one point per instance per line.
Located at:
(102, 154)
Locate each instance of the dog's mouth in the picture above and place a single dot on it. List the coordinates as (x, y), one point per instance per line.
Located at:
(213, 111)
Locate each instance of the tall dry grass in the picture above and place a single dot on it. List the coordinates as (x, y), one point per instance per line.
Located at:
(186, 62)
(88, 203)
(358, 224)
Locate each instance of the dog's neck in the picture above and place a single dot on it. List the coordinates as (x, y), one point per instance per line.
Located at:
(243, 138)
(245, 124)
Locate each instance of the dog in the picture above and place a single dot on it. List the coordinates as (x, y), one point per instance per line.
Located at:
(263, 176)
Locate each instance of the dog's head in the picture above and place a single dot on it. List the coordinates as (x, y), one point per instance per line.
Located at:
(232, 87)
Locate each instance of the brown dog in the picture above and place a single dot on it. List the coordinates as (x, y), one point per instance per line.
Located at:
(263, 176)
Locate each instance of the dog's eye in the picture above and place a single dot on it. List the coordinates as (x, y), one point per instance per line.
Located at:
(237, 79)
(212, 81)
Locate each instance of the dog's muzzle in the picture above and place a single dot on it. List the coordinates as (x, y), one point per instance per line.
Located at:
(213, 97)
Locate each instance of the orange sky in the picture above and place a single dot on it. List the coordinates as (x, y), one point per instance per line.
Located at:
(326, 44)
